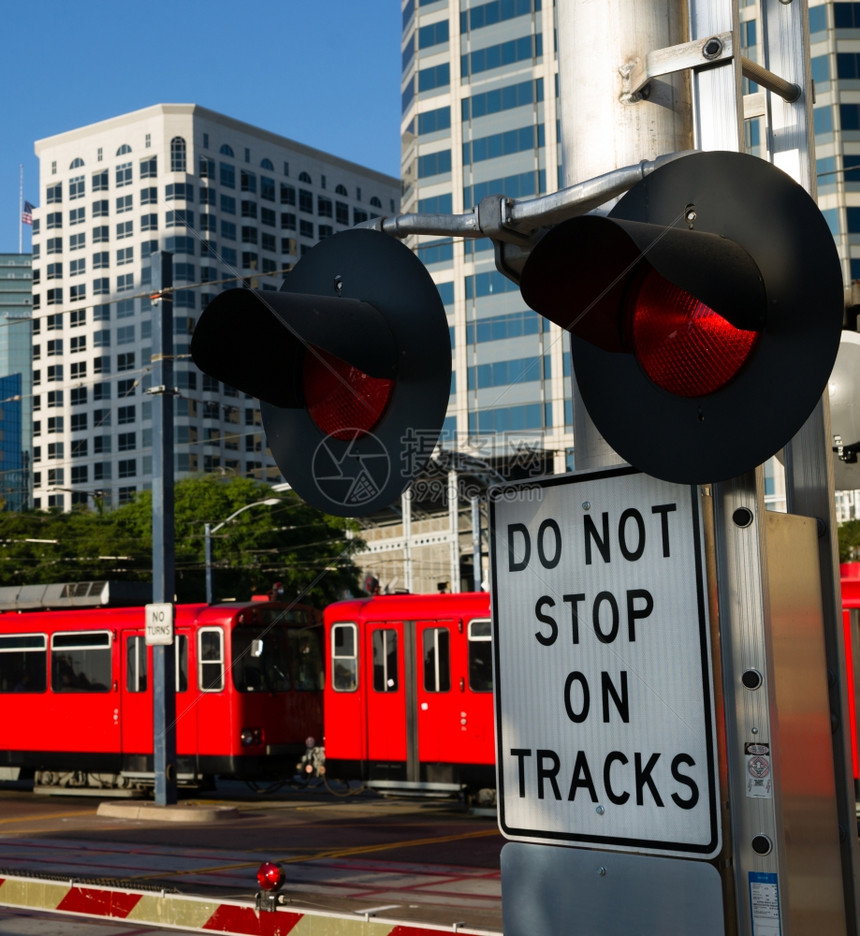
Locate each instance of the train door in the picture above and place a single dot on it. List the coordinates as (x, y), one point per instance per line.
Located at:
(413, 680)
(439, 685)
(136, 673)
(386, 691)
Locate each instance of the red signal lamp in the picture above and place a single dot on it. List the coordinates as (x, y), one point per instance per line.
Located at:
(351, 361)
(270, 876)
(705, 312)
(683, 345)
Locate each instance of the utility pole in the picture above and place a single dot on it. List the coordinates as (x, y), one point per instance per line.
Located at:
(163, 550)
(601, 131)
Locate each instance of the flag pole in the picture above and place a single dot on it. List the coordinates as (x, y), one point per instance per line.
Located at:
(21, 208)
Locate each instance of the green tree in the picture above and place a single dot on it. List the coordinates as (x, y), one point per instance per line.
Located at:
(309, 553)
(849, 540)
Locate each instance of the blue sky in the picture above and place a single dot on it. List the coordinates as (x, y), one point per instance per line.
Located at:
(323, 72)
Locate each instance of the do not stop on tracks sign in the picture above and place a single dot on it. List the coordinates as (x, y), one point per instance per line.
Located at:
(604, 700)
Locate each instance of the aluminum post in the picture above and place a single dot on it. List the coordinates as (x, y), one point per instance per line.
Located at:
(597, 44)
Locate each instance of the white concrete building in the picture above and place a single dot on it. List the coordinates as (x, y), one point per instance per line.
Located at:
(229, 201)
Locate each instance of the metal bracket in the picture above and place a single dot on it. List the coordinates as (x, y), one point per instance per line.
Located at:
(516, 226)
(698, 54)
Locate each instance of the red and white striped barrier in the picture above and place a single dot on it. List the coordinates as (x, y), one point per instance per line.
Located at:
(200, 914)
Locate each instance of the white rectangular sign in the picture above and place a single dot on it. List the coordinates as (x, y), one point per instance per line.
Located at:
(604, 700)
(159, 624)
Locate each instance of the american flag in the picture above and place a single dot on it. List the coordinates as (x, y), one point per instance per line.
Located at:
(27, 214)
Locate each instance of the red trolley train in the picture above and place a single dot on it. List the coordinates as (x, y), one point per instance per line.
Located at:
(78, 702)
(409, 692)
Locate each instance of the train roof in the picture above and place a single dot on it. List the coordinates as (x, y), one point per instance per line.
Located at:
(409, 606)
(103, 594)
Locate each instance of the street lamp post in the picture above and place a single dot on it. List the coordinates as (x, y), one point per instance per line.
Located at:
(208, 530)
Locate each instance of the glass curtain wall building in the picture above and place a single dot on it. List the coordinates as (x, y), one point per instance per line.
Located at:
(234, 204)
(15, 376)
(480, 118)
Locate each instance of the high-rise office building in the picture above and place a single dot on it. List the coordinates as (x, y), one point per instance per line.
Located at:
(480, 116)
(232, 203)
(15, 376)
(479, 96)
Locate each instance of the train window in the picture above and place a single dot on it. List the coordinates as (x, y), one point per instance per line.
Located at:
(437, 663)
(181, 663)
(136, 664)
(306, 661)
(210, 659)
(344, 654)
(480, 656)
(385, 660)
(81, 662)
(23, 663)
(260, 659)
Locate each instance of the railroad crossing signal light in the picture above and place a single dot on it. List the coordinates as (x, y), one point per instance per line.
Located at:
(351, 361)
(705, 314)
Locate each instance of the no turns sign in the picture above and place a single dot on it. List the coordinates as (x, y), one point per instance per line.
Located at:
(604, 700)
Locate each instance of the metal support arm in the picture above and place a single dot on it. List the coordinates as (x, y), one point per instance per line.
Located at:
(514, 225)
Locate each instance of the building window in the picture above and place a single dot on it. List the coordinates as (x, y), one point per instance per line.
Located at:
(149, 167)
(124, 174)
(227, 175)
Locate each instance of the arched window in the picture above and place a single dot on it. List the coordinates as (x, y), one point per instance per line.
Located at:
(177, 154)
(76, 163)
(123, 150)
(375, 202)
(304, 177)
(226, 150)
(267, 164)
(341, 190)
